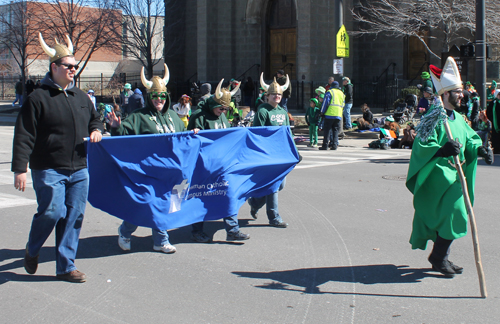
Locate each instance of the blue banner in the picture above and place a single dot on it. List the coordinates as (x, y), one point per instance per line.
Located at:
(168, 181)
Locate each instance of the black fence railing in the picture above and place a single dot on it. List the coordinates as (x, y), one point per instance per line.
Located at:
(377, 94)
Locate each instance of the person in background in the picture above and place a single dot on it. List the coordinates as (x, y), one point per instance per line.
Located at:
(425, 102)
(409, 134)
(331, 112)
(183, 108)
(91, 95)
(261, 98)
(19, 92)
(235, 84)
(124, 96)
(493, 115)
(348, 92)
(136, 101)
(280, 78)
(248, 91)
(312, 117)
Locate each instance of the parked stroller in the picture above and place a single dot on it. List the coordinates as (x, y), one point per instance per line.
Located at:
(406, 110)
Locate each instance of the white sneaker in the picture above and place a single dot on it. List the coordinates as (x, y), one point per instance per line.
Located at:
(167, 248)
(123, 242)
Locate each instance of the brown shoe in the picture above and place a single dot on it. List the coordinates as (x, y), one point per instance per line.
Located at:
(30, 263)
(73, 276)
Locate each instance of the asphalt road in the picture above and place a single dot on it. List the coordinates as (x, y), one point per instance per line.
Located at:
(345, 258)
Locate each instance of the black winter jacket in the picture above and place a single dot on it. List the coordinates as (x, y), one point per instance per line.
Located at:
(50, 129)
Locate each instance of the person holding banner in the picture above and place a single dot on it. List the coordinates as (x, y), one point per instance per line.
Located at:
(155, 118)
(271, 114)
(50, 132)
(211, 115)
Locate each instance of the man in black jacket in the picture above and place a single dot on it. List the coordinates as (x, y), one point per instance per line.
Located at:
(281, 79)
(49, 134)
(347, 90)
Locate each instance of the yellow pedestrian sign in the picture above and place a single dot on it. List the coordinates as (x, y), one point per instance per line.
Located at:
(342, 42)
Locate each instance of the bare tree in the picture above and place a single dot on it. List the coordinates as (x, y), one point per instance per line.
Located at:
(16, 37)
(90, 24)
(143, 31)
(448, 21)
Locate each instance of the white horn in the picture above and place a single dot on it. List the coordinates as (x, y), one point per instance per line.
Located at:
(166, 77)
(49, 51)
(262, 83)
(218, 91)
(286, 85)
(235, 89)
(70, 43)
(147, 84)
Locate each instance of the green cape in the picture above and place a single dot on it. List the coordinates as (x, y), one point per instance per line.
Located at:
(438, 199)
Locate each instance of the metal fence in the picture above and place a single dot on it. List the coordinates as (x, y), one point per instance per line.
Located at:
(377, 94)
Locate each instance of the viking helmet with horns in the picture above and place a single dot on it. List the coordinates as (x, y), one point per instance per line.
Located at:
(222, 95)
(274, 87)
(156, 84)
(59, 50)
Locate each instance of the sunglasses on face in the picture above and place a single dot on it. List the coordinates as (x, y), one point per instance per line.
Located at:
(70, 66)
(158, 95)
(457, 91)
(223, 109)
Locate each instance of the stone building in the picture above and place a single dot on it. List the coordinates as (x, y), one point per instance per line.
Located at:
(209, 40)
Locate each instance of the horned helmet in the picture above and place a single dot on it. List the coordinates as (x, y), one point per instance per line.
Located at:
(59, 50)
(274, 87)
(156, 84)
(222, 95)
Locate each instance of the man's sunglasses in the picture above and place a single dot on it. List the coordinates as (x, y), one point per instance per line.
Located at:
(158, 95)
(70, 66)
(223, 109)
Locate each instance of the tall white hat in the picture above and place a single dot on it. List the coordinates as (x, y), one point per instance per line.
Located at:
(448, 78)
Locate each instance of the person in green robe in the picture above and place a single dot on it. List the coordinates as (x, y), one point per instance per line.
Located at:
(155, 118)
(440, 211)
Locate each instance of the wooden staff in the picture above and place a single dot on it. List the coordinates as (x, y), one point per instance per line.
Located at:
(472, 218)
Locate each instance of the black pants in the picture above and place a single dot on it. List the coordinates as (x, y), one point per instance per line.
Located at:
(441, 248)
(334, 126)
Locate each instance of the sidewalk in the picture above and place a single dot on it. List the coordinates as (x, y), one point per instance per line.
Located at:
(8, 113)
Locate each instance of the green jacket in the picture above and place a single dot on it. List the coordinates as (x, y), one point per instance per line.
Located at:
(148, 120)
(437, 192)
(269, 116)
(204, 118)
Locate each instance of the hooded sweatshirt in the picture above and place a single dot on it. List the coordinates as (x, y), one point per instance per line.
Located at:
(51, 127)
(204, 118)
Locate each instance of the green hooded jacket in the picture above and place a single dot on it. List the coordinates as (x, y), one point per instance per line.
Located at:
(148, 120)
(204, 118)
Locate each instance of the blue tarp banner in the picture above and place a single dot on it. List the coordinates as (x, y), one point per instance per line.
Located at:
(168, 181)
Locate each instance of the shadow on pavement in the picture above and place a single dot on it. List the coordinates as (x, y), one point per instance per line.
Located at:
(311, 278)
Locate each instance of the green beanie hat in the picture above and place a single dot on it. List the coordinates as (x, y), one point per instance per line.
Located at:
(425, 75)
(322, 96)
(314, 100)
(493, 84)
(389, 119)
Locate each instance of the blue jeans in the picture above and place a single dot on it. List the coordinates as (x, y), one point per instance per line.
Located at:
(283, 103)
(160, 238)
(19, 99)
(230, 223)
(61, 196)
(347, 115)
(271, 202)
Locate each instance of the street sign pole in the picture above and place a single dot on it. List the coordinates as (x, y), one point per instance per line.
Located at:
(481, 52)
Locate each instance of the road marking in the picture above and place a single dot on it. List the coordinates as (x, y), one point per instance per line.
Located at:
(315, 159)
(7, 201)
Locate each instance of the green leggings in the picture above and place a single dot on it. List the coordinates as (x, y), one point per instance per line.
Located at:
(313, 134)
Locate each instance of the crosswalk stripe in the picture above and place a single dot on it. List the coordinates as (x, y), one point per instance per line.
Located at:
(7, 201)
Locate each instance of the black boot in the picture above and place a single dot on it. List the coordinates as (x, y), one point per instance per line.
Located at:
(439, 257)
